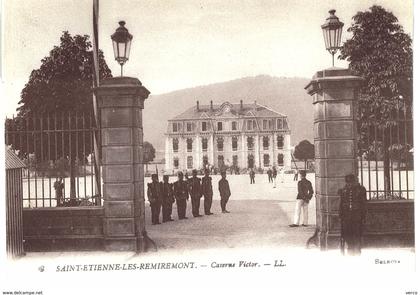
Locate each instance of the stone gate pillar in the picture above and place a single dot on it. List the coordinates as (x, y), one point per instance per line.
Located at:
(335, 93)
(120, 102)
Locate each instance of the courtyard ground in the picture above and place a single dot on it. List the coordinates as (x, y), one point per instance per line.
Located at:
(260, 217)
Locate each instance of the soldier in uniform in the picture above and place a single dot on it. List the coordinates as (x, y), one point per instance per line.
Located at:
(194, 186)
(207, 189)
(181, 195)
(252, 175)
(59, 186)
(270, 175)
(224, 191)
(352, 213)
(305, 193)
(274, 176)
(167, 199)
(154, 195)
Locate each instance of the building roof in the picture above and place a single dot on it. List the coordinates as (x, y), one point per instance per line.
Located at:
(229, 109)
(12, 160)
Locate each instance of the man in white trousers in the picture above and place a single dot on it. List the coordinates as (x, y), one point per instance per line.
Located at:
(305, 193)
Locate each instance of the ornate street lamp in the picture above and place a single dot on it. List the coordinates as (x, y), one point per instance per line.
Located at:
(121, 41)
(332, 33)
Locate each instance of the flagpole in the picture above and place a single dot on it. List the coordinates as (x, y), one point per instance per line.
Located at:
(95, 53)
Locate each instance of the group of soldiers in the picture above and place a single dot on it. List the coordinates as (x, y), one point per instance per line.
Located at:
(162, 195)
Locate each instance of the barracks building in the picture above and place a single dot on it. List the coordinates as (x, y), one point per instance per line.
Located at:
(242, 135)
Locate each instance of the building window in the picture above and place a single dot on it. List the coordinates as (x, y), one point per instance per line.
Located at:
(189, 144)
(279, 124)
(220, 161)
(190, 127)
(250, 143)
(266, 160)
(234, 143)
(249, 125)
(175, 144)
(204, 144)
(280, 142)
(176, 163)
(220, 144)
(204, 126)
(175, 127)
(266, 143)
(285, 125)
(219, 126)
(254, 124)
(234, 125)
(235, 161)
(205, 161)
(265, 124)
(280, 160)
(270, 124)
(189, 162)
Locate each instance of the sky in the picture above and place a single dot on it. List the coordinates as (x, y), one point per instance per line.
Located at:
(182, 43)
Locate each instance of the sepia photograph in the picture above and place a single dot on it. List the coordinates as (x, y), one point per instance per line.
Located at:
(208, 147)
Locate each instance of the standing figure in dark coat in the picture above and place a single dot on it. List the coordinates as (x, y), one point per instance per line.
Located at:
(207, 189)
(59, 187)
(194, 185)
(167, 199)
(224, 191)
(181, 195)
(352, 213)
(305, 193)
(154, 194)
(252, 175)
(270, 175)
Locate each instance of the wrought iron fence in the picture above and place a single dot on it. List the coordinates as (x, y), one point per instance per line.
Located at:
(59, 153)
(385, 154)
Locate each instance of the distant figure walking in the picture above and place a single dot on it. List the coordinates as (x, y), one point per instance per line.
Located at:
(59, 187)
(352, 214)
(252, 175)
(274, 176)
(270, 175)
(224, 191)
(305, 193)
(281, 173)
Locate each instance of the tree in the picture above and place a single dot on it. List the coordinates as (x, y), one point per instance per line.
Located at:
(380, 52)
(304, 151)
(62, 85)
(64, 80)
(149, 153)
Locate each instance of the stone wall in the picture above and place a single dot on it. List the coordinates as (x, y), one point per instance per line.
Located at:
(389, 224)
(63, 229)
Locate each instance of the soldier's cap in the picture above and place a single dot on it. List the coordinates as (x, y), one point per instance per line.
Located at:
(223, 172)
(154, 175)
(350, 178)
(180, 173)
(194, 171)
(302, 172)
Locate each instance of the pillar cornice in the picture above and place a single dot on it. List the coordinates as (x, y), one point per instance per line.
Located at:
(332, 78)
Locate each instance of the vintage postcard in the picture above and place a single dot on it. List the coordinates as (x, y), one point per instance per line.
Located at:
(208, 146)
